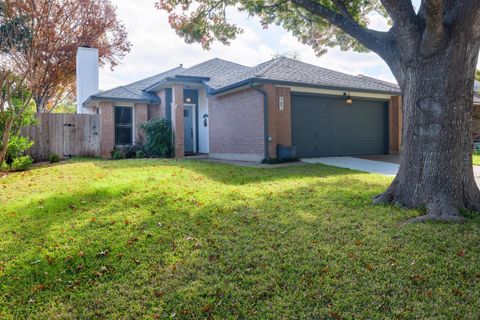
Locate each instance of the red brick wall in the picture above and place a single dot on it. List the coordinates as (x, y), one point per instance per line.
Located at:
(236, 126)
(140, 116)
(395, 124)
(107, 133)
(279, 121)
(177, 120)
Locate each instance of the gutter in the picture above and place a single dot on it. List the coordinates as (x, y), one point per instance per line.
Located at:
(265, 117)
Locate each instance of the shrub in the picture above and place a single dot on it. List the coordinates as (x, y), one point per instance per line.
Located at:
(53, 158)
(117, 155)
(21, 163)
(133, 150)
(17, 144)
(140, 154)
(158, 138)
(4, 166)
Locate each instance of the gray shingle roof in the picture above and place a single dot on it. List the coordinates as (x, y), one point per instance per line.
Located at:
(289, 70)
(135, 91)
(221, 74)
(224, 73)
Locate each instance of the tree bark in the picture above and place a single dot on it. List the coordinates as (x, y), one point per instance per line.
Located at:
(5, 139)
(436, 170)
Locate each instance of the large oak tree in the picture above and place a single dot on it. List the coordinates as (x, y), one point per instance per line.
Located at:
(432, 52)
(58, 28)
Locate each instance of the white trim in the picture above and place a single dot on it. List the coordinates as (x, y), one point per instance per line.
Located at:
(339, 92)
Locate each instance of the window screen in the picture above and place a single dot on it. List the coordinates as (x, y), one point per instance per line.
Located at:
(123, 126)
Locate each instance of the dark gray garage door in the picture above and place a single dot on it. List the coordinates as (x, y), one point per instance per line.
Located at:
(324, 126)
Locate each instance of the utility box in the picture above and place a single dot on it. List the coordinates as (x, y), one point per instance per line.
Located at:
(286, 153)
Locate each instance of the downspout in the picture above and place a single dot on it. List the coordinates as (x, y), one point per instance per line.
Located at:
(265, 117)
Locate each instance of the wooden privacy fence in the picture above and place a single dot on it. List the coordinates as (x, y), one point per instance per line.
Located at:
(65, 134)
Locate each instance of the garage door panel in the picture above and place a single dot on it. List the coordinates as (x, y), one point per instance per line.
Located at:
(329, 127)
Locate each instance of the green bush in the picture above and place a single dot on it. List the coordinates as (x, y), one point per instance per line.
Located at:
(53, 158)
(17, 143)
(133, 150)
(21, 163)
(117, 155)
(140, 154)
(158, 138)
(4, 166)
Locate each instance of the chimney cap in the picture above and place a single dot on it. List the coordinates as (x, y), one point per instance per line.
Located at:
(181, 65)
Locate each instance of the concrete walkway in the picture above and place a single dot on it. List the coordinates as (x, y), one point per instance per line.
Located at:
(372, 166)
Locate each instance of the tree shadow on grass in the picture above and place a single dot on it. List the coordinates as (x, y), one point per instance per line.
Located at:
(227, 173)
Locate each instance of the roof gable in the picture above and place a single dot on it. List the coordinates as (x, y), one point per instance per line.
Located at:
(136, 90)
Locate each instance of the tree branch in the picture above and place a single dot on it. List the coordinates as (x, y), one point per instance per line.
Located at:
(374, 40)
(401, 11)
(434, 33)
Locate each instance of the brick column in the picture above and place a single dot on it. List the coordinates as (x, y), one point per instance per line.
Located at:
(279, 121)
(177, 120)
(395, 124)
(140, 117)
(107, 129)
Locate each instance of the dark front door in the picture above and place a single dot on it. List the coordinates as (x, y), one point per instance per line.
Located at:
(324, 126)
(188, 128)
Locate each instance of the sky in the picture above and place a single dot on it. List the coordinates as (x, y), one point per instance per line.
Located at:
(156, 47)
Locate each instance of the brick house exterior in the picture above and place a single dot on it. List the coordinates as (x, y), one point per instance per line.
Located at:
(235, 112)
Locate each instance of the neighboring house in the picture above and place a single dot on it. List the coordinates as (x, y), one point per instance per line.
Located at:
(231, 111)
(476, 113)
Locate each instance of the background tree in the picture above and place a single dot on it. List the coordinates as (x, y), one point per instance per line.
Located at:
(477, 75)
(432, 52)
(15, 96)
(58, 28)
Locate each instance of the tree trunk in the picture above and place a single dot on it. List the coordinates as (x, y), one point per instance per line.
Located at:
(40, 103)
(5, 139)
(436, 170)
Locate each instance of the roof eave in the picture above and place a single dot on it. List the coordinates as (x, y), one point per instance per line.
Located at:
(116, 99)
(298, 84)
(157, 86)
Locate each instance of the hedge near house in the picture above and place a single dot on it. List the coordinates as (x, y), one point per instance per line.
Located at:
(158, 138)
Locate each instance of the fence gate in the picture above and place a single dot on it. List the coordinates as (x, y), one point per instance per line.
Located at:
(65, 134)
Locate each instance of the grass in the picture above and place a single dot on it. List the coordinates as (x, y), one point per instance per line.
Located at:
(476, 158)
(156, 239)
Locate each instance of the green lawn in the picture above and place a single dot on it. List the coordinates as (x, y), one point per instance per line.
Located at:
(157, 239)
(476, 158)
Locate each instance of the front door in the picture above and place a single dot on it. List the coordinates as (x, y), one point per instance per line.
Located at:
(188, 129)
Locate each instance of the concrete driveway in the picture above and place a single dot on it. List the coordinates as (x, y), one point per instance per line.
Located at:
(388, 167)
(372, 166)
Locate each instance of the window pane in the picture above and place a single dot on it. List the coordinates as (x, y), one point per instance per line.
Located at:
(123, 126)
(123, 136)
(123, 116)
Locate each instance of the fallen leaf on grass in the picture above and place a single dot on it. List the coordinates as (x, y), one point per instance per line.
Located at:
(457, 292)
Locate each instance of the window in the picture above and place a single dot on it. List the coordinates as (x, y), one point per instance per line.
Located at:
(123, 126)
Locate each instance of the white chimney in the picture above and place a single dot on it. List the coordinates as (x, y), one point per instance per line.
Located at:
(87, 76)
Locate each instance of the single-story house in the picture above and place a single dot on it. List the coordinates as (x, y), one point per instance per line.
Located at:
(476, 113)
(231, 111)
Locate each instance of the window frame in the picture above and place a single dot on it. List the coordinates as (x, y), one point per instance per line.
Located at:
(131, 125)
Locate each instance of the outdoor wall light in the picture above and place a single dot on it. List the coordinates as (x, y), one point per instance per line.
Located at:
(205, 118)
(348, 99)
